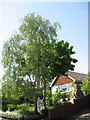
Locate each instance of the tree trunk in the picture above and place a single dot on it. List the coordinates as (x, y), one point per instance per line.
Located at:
(35, 104)
(44, 95)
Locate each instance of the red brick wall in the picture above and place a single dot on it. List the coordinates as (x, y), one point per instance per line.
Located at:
(62, 80)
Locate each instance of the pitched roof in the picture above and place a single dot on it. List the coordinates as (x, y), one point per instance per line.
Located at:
(75, 76)
(79, 77)
(62, 80)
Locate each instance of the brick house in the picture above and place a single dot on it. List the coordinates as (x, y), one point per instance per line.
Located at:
(63, 82)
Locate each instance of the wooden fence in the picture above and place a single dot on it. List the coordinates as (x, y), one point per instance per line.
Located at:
(65, 111)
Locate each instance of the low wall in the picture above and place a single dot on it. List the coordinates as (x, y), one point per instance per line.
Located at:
(65, 111)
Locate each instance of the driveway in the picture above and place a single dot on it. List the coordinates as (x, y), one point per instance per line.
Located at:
(4, 119)
(83, 115)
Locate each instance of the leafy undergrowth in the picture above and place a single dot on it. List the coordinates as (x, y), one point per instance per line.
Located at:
(9, 114)
(24, 109)
(21, 112)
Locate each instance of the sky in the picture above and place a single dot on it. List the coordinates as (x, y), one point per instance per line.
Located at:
(72, 16)
(88, 37)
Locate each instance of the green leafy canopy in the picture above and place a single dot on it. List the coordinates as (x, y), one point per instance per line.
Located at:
(34, 55)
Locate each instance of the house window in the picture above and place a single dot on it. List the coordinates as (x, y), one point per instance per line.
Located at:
(64, 87)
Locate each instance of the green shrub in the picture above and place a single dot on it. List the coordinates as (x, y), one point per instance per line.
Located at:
(49, 98)
(24, 109)
(4, 104)
(11, 107)
(60, 97)
(57, 97)
(4, 107)
(85, 86)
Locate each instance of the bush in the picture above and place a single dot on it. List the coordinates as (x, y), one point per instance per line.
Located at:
(49, 98)
(85, 86)
(4, 107)
(60, 97)
(4, 104)
(56, 98)
(24, 109)
(11, 107)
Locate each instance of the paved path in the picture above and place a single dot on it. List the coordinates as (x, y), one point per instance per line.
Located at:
(83, 115)
(4, 119)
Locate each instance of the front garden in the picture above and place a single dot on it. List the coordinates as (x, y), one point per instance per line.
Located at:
(20, 109)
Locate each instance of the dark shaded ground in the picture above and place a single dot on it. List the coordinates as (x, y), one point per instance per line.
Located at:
(83, 115)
